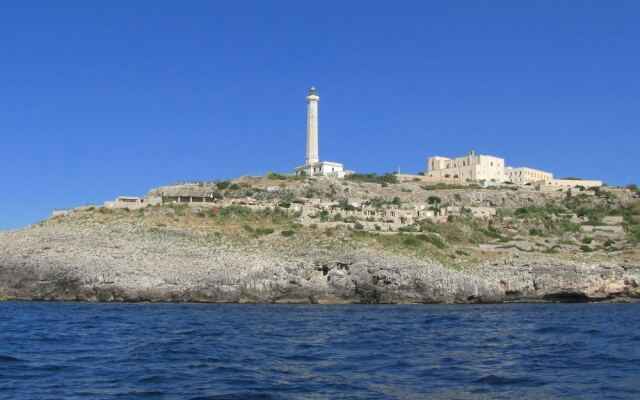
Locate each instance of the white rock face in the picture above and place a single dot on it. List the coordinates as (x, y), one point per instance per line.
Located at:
(128, 262)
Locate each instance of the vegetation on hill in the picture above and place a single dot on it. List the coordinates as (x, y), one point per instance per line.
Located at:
(525, 222)
(383, 180)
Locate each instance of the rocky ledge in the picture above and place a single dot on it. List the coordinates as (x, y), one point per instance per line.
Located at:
(93, 261)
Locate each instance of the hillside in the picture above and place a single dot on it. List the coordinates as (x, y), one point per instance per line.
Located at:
(363, 239)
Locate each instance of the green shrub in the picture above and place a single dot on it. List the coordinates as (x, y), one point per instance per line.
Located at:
(179, 209)
(263, 231)
(234, 186)
(378, 202)
(434, 200)
(535, 232)
(447, 186)
(214, 194)
(358, 226)
(634, 232)
(585, 248)
(433, 239)
(276, 177)
(323, 215)
(408, 228)
(235, 211)
(311, 193)
(373, 178)
(222, 185)
(411, 241)
(247, 228)
(345, 206)
(586, 240)
(491, 232)
(288, 233)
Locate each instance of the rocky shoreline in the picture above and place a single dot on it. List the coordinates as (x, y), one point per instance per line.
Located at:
(129, 263)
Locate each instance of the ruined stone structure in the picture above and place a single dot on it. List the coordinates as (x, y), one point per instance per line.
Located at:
(132, 202)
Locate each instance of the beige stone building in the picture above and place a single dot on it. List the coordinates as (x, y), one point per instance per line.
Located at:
(489, 170)
(564, 184)
(470, 168)
(524, 175)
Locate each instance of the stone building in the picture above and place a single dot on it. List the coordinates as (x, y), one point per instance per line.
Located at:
(489, 170)
(564, 184)
(472, 167)
(313, 166)
(524, 175)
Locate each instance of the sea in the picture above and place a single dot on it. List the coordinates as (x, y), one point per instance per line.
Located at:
(66, 350)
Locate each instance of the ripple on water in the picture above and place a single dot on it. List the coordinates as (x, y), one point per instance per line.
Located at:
(505, 380)
(9, 359)
(244, 351)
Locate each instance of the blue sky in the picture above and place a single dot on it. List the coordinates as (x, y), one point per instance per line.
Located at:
(107, 98)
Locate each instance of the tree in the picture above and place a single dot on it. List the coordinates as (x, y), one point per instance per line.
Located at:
(223, 184)
(434, 200)
(216, 195)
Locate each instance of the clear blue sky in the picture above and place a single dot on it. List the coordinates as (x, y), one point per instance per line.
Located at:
(107, 98)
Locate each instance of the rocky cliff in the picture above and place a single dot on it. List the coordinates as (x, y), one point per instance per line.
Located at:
(97, 256)
(535, 247)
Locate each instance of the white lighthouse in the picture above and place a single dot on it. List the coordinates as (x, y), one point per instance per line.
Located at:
(312, 126)
(313, 166)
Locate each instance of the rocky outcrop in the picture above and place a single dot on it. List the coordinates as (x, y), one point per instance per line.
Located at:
(129, 262)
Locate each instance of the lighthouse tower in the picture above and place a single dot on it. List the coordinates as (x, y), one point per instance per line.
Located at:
(312, 126)
(313, 166)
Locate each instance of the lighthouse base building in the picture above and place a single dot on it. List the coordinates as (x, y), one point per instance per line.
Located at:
(323, 168)
(313, 166)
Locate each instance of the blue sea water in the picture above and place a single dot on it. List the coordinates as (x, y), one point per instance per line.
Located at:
(206, 351)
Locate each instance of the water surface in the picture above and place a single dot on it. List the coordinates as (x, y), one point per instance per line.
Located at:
(205, 351)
